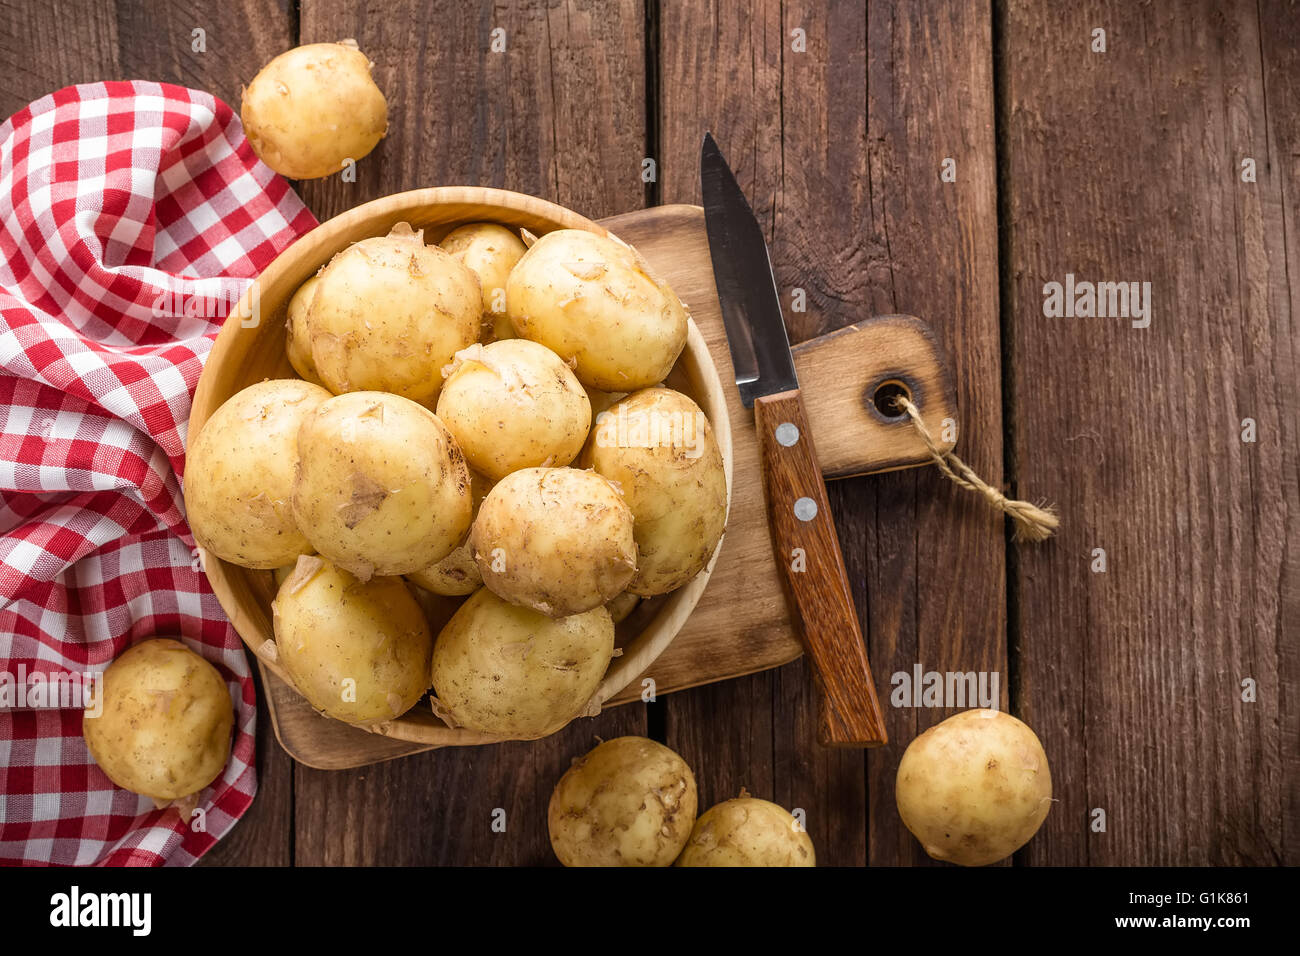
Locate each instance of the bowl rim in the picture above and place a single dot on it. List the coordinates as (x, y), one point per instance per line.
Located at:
(419, 724)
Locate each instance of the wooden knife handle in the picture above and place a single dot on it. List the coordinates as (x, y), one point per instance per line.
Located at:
(808, 554)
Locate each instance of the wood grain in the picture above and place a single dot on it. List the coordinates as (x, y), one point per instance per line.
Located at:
(870, 108)
(1133, 677)
(817, 589)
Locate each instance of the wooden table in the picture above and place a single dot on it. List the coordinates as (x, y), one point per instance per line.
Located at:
(842, 119)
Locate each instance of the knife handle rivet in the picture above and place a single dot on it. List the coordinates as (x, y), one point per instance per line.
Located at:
(805, 509)
(787, 433)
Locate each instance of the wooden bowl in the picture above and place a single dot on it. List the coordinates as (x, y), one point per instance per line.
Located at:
(250, 348)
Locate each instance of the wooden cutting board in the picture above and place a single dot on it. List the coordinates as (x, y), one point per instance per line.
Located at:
(741, 624)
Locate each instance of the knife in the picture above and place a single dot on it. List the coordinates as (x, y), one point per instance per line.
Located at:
(803, 531)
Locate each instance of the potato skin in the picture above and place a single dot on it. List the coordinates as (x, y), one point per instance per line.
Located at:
(659, 448)
(381, 487)
(313, 107)
(594, 302)
(165, 727)
(330, 627)
(621, 605)
(389, 312)
(512, 405)
(628, 802)
(297, 336)
(974, 788)
(747, 832)
(239, 474)
(489, 251)
(507, 670)
(556, 540)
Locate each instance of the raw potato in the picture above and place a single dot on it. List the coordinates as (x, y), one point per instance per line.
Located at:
(359, 651)
(389, 313)
(381, 487)
(512, 405)
(239, 474)
(490, 251)
(658, 447)
(747, 832)
(509, 671)
(556, 540)
(594, 302)
(974, 788)
(312, 108)
(629, 802)
(297, 338)
(456, 575)
(165, 726)
(622, 605)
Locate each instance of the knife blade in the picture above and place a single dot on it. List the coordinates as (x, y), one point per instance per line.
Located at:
(803, 531)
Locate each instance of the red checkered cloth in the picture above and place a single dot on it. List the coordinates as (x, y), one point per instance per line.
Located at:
(134, 215)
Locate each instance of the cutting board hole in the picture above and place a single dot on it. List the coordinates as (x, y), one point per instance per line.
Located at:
(884, 397)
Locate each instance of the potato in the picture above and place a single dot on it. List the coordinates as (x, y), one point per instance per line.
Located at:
(297, 337)
(747, 832)
(621, 605)
(389, 312)
(381, 487)
(239, 474)
(974, 788)
(658, 447)
(490, 252)
(628, 802)
(556, 540)
(509, 671)
(457, 574)
(164, 730)
(594, 302)
(359, 651)
(512, 405)
(312, 108)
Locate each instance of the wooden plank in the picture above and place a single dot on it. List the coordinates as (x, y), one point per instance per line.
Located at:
(934, 555)
(264, 835)
(1126, 166)
(560, 114)
(895, 239)
(1281, 56)
(45, 46)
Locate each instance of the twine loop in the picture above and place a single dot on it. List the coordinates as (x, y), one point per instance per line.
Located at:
(1033, 522)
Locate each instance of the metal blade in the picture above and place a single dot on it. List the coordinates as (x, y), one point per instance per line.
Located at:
(742, 268)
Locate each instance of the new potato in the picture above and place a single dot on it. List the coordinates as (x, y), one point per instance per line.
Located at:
(974, 788)
(164, 730)
(557, 540)
(489, 251)
(510, 671)
(747, 832)
(513, 404)
(658, 447)
(388, 313)
(312, 108)
(359, 651)
(381, 487)
(594, 302)
(457, 574)
(628, 802)
(239, 474)
(297, 337)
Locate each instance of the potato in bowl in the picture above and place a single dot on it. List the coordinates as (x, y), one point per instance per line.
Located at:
(243, 356)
